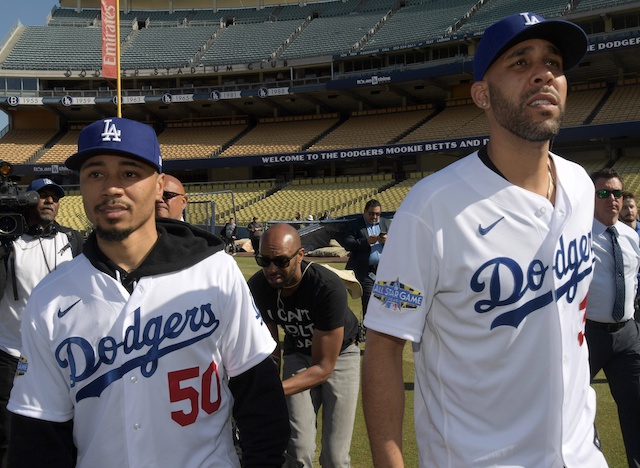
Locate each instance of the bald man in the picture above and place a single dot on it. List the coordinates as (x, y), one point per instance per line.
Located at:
(321, 362)
(174, 200)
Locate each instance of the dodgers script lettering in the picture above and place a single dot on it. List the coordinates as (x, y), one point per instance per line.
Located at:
(573, 263)
(84, 361)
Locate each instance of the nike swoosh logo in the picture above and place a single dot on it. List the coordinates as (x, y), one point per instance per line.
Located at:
(485, 231)
(62, 313)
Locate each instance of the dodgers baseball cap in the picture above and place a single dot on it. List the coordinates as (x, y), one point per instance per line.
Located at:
(568, 37)
(119, 136)
(39, 184)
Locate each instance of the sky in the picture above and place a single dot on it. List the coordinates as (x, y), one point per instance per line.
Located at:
(30, 13)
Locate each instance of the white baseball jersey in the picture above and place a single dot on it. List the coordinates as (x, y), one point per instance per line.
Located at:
(34, 258)
(489, 281)
(143, 375)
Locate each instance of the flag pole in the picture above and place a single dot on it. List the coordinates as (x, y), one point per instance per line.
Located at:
(119, 74)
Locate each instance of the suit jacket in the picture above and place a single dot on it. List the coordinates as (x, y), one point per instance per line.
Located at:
(355, 242)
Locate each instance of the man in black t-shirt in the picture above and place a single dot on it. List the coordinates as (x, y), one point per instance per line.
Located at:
(321, 359)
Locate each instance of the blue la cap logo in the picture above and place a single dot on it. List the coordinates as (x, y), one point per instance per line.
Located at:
(118, 136)
(110, 132)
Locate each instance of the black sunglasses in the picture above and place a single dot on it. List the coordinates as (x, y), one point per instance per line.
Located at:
(604, 193)
(169, 195)
(280, 262)
(54, 196)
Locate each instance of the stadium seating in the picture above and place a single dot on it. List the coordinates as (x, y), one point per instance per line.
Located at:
(238, 44)
(244, 194)
(369, 129)
(56, 48)
(417, 23)
(71, 213)
(327, 36)
(165, 47)
(314, 196)
(622, 106)
(455, 121)
(19, 146)
(62, 149)
(196, 142)
(581, 103)
(391, 198)
(496, 9)
(587, 5)
(281, 136)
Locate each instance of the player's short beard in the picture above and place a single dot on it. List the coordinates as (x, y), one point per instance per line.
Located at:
(511, 117)
(113, 235)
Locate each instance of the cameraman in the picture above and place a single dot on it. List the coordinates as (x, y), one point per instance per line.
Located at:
(25, 261)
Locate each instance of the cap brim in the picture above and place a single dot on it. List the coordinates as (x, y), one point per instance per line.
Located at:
(59, 190)
(75, 161)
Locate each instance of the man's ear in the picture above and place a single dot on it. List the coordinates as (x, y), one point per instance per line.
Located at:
(480, 95)
(160, 186)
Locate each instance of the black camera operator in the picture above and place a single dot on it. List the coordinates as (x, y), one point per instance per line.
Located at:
(31, 246)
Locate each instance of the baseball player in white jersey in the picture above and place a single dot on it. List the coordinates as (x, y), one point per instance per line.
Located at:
(136, 353)
(486, 270)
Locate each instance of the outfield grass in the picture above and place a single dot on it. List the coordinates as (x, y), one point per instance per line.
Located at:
(606, 418)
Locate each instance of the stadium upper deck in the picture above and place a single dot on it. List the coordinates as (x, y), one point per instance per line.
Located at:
(194, 65)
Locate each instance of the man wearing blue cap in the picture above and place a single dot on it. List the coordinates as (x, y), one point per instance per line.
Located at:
(27, 259)
(138, 352)
(486, 271)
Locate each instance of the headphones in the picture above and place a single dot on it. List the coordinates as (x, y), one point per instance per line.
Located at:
(39, 231)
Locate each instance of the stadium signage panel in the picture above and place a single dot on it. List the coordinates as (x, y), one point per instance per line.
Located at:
(24, 101)
(132, 100)
(218, 95)
(374, 80)
(620, 43)
(109, 39)
(77, 101)
(182, 97)
(374, 151)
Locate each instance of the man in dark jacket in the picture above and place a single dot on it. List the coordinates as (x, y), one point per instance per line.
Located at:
(365, 240)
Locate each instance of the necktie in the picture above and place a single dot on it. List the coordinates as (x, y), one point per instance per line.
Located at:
(618, 303)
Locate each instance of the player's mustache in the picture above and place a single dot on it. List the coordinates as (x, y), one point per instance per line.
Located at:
(106, 203)
(543, 89)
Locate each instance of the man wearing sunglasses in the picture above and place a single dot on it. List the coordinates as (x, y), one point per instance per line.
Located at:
(612, 333)
(173, 201)
(321, 359)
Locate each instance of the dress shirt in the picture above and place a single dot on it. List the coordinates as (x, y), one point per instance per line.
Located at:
(602, 289)
(376, 249)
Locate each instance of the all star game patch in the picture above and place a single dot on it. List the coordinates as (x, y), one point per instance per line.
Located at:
(22, 366)
(396, 295)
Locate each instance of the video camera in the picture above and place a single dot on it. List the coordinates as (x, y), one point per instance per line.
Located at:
(13, 202)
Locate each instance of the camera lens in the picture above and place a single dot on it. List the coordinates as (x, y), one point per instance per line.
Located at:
(8, 224)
